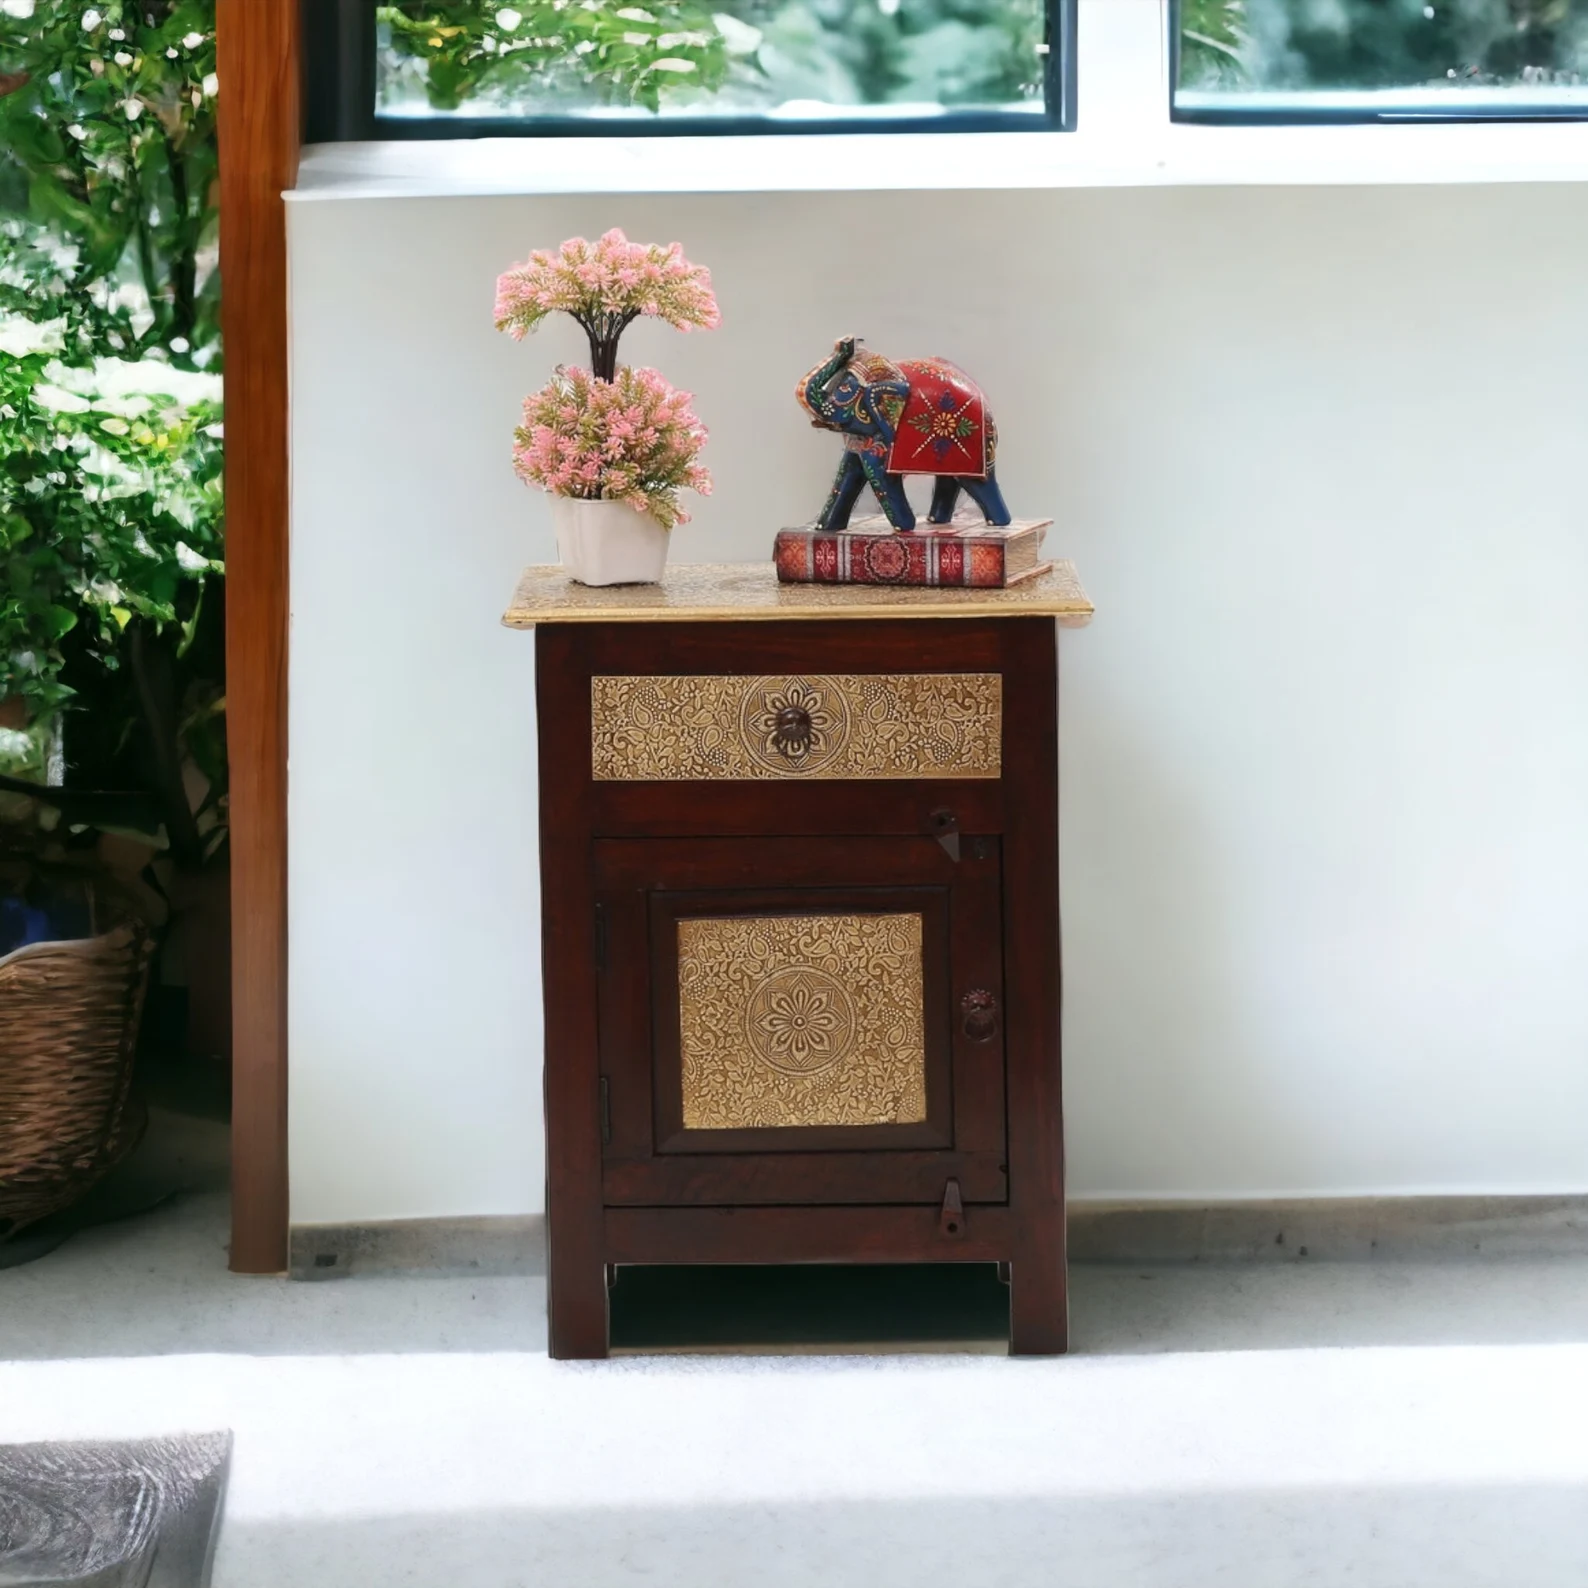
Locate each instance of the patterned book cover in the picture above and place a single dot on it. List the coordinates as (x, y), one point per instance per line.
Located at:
(967, 552)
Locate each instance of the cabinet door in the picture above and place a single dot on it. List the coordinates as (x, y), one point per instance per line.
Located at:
(801, 1020)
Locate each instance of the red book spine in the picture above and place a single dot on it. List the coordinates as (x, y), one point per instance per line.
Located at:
(811, 557)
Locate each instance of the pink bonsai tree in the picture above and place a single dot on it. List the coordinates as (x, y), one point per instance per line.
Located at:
(610, 432)
(606, 286)
(633, 439)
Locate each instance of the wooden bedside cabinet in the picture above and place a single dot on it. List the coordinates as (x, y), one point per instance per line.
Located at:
(799, 870)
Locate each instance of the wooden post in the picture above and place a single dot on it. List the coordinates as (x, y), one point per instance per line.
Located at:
(257, 50)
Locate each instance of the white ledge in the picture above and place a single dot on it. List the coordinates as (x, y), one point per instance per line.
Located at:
(1104, 156)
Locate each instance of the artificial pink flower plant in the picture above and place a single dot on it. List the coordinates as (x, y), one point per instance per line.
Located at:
(610, 432)
(606, 286)
(633, 439)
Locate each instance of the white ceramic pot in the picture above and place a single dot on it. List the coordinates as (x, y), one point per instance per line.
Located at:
(608, 542)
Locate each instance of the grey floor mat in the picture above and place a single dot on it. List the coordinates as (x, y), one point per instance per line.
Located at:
(142, 1513)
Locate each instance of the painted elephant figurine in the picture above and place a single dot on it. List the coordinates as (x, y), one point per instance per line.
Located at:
(917, 416)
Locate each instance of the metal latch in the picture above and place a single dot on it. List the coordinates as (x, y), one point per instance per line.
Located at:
(952, 1219)
(945, 827)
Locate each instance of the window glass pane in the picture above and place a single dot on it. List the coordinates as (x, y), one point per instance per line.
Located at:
(1383, 57)
(821, 59)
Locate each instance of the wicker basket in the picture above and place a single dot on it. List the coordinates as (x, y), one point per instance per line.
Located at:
(69, 1015)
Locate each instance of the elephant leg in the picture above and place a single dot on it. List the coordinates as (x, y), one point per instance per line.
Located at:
(841, 499)
(944, 495)
(890, 492)
(986, 495)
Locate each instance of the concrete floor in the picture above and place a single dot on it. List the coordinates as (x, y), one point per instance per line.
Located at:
(1372, 1425)
(158, 1286)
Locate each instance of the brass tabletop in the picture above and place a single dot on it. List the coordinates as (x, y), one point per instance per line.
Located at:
(747, 592)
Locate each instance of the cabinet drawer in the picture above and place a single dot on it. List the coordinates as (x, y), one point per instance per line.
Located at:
(736, 727)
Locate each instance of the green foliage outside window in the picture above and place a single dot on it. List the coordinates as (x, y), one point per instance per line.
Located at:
(1299, 45)
(612, 53)
(542, 57)
(110, 440)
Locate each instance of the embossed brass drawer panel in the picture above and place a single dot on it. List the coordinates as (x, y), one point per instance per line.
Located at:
(728, 727)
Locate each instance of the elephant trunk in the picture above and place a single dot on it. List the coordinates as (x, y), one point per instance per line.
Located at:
(813, 394)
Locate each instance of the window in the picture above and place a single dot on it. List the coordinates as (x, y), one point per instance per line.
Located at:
(1379, 60)
(472, 68)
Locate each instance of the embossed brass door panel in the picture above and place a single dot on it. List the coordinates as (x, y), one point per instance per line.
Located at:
(830, 1033)
(802, 1015)
(806, 1019)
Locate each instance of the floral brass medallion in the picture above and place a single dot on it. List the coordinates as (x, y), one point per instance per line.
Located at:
(713, 728)
(797, 725)
(801, 1020)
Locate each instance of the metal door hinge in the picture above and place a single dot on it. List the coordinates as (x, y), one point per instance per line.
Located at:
(952, 1219)
(606, 1112)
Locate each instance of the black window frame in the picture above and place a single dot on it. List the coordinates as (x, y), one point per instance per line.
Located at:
(1282, 115)
(339, 97)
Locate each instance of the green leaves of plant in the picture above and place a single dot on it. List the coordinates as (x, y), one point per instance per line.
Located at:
(58, 622)
(113, 140)
(110, 455)
(103, 517)
(558, 55)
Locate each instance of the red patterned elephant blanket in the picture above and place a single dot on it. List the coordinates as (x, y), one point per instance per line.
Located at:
(943, 429)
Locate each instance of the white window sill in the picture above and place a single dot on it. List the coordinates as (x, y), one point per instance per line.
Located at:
(1124, 139)
(1170, 155)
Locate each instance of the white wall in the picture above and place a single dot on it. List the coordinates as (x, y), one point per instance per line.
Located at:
(1317, 454)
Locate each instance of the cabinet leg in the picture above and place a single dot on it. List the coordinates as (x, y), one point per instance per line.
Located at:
(576, 1309)
(1039, 1321)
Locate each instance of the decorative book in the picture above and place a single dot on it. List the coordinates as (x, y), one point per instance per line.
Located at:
(968, 552)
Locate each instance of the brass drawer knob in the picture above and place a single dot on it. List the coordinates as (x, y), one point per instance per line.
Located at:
(980, 1009)
(792, 731)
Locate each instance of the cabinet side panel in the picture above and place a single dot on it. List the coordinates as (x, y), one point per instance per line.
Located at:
(1032, 986)
(576, 1279)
